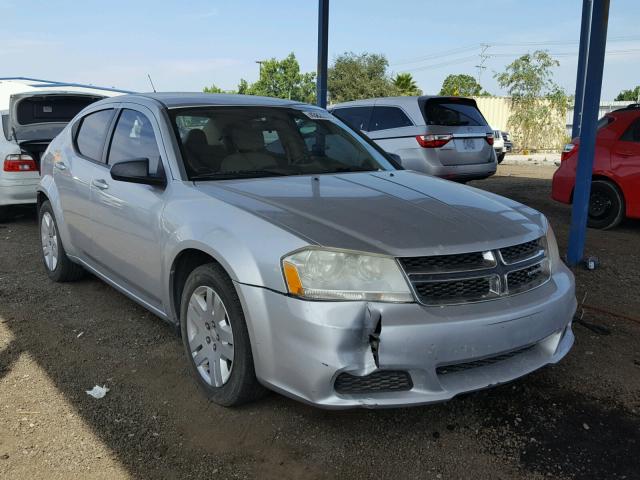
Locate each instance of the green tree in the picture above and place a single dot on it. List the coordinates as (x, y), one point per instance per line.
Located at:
(282, 79)
(538, 104)
(405, 83)
(629, 95)
(352, 77)
(215, 89)
(461, 85)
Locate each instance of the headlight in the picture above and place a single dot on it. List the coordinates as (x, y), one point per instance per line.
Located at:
(553, 253)
(324, 274)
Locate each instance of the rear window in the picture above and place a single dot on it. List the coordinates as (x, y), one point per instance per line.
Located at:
(356, 117)
(58, 108)
(92, 134)
(385, 118)
(453, 114)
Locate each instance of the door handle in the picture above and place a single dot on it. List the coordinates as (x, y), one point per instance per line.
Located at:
(626, 154)
(60, 166)
(101, 184)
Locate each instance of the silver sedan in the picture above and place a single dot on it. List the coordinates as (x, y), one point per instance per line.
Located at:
(294, 254)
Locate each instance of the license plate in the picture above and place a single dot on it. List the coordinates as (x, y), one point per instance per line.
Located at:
(468, 143)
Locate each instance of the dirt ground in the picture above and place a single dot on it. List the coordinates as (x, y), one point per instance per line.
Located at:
(579, 419)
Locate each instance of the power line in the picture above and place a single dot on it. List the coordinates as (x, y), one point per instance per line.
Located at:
(471, 47)
(457, 61)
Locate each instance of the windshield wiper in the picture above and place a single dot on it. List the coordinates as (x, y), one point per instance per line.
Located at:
(239, 174)
(355, 169)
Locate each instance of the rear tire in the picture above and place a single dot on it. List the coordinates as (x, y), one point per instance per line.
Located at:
(54, 257)
(606, 205)
(501, 157)
(215, 338)
(4, 214)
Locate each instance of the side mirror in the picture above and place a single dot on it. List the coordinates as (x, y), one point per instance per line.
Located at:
(137, 171)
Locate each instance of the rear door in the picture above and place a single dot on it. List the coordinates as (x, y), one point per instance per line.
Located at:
(356, 117)
(460, 118)
(73, 171)
(392, 129)
(625, 160)
(126, 216)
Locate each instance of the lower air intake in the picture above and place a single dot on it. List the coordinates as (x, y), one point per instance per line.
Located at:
(379, 381)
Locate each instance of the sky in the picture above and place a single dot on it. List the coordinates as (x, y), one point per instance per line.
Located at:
(187, 45)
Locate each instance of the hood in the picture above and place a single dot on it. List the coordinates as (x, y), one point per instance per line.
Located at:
(398, 213)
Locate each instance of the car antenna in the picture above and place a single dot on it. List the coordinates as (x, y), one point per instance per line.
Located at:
(151, 82)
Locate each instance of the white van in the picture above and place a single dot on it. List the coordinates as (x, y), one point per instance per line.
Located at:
(32, 113)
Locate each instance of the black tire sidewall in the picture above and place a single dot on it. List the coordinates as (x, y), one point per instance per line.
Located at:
(242, 372)
(617, 211)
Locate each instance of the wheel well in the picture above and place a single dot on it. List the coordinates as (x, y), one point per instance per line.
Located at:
(606, 179)
(185, 263)
(41, 198)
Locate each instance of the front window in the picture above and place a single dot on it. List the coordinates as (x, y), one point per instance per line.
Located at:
(245, 142)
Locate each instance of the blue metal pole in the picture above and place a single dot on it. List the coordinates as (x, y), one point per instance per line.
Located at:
(591, 103)
(582, 66)
(323, 47)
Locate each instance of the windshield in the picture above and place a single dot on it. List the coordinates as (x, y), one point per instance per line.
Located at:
(243, 142)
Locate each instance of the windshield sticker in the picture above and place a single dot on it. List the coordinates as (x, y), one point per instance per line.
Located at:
(317, 114)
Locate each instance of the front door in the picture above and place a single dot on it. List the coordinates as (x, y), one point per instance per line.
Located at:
(127, 233)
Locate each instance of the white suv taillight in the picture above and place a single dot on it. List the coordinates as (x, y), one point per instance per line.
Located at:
(19, 163)
(433, 141)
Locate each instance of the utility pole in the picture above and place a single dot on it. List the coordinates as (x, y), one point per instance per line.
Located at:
(323, 46)
(260, 62)
(483, 59)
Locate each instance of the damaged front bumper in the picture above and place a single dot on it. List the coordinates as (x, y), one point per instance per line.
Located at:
(359, 354)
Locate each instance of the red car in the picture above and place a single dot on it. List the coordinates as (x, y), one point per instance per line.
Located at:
(615, 189)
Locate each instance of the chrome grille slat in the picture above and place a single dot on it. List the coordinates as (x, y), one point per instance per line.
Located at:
(477, 276)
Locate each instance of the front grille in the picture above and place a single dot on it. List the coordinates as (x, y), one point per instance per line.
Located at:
(378, 381)
(477, 276)
(446, 263)
(523, 251)
(461, 367)
(441, 292)
(526, 277)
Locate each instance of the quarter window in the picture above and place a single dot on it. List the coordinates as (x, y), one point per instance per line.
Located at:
(633, 132)
(356, 117)
(92, 134)
(385, 118)
(133, 139)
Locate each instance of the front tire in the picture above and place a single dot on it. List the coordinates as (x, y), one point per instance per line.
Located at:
(215, 338)
(606, 205)
(56, 263)
(501, 157)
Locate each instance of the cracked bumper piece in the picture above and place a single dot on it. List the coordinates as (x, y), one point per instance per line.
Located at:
(359, 354)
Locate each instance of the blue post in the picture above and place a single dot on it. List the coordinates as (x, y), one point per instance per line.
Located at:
(323, 47)
(591, 103)
(582, 65)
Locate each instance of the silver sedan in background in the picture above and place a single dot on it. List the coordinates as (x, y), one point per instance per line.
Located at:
(294, 254)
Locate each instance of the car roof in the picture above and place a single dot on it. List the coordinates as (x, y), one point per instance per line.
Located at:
(199, 99)
(402, 100)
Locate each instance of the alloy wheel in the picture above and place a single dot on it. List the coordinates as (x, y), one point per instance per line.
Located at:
(210, 336)
(49, 238)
